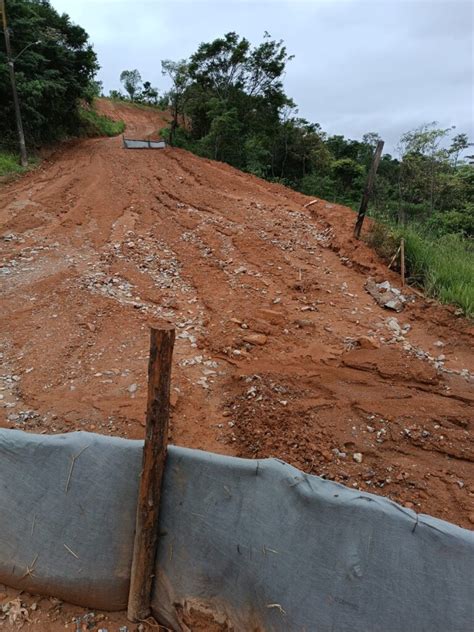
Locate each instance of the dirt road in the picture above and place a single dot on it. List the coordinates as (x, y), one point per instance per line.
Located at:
(280, 350)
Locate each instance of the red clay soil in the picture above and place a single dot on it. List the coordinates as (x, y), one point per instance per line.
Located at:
(280, 351)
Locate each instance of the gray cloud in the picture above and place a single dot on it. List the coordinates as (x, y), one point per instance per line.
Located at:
(360, 65)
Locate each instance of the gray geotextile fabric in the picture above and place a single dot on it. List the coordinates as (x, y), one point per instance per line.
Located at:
(67, 515)
(129, 143)
(257, 542)
(275, 549)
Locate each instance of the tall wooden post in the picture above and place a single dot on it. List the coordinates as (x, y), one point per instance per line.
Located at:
(402, 260)
(154, 455)
(369, 185)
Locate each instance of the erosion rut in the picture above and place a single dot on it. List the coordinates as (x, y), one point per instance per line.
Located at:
(280, 351)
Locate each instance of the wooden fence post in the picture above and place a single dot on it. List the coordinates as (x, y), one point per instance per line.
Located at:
(402, 260)
(369, 185)
(154, 455)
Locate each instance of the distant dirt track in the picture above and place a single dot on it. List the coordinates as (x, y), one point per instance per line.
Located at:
(102, 240)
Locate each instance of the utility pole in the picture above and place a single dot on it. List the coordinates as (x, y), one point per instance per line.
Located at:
(11, 69)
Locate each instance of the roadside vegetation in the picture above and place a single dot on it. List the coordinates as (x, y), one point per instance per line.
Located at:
(55, 66)
(10, 164)
(91, 123)
(441, 265)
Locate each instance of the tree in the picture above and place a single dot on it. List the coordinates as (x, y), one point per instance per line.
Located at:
(459, 143)
(149, 94)
(347, 171)
(228, 64)
(131, 80)
(53, 74)
(371, 139)
(116, 94)
(94, 90)
(229, 80)
(178, 72)
(423, 160)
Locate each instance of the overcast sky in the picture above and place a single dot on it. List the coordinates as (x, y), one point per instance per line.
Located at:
(360, 65)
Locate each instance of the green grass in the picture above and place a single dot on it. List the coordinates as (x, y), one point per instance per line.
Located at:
(442, 266)
(10, 164)
(94, 124)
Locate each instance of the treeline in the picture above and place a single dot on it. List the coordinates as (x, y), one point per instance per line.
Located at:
(228, 103)
(55, 67)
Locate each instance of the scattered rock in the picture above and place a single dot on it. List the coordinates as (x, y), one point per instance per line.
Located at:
(357, 456)
(202, 381)
(255, 339)
(392, 323)
(364, 342)
(272, 316)
(385, 295)
(132, 388)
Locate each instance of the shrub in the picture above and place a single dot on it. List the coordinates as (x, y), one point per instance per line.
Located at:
(459, 221)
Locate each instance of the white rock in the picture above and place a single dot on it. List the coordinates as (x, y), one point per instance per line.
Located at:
(392, 323)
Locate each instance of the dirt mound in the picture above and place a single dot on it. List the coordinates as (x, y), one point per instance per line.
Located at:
(280, 349)
(139, 119)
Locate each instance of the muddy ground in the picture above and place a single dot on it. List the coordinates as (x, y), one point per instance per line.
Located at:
(280, 349)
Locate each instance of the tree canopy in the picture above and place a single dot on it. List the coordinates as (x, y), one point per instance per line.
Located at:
(54, 72)
(131, 80)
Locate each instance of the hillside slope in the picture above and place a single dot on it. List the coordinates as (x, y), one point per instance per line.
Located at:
(280, 350)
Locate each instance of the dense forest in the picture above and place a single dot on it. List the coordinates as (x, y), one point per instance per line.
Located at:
(55, 66)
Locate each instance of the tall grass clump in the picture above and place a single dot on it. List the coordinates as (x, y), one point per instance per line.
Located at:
(10, 164)
(442, 265)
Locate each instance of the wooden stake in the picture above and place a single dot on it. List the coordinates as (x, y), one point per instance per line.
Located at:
(369, 185)
(392, 260)
(154, 455)
(402, 260)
